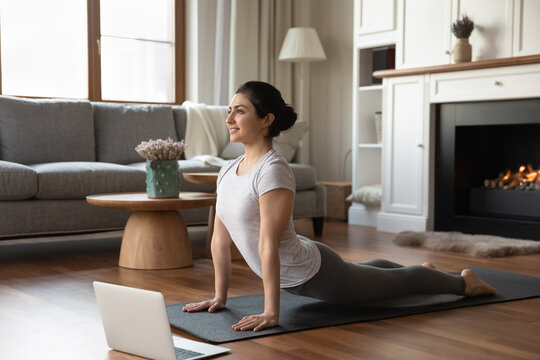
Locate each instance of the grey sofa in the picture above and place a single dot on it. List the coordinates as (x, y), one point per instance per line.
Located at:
(53, 153)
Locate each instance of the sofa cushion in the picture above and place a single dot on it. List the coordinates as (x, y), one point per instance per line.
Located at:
(39, 131)
(304, 175)
(17, 182)
(121, 127)
(76, 180)
(180, 120)
(180, 123)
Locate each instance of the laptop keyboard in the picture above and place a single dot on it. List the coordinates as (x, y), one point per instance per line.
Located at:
(183, 354)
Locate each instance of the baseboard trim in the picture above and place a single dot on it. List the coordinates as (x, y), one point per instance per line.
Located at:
(360, 214)
(394, 223)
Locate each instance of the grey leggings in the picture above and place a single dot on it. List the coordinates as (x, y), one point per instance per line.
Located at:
(343, 282)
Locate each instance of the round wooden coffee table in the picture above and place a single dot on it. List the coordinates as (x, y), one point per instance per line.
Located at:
(155, 236)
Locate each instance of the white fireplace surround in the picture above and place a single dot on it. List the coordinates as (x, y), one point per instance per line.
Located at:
(408, 131)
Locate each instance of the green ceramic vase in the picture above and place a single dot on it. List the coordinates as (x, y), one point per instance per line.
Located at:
(162, 179)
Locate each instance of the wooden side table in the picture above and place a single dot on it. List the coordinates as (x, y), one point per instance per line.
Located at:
(155, 236)
(206, 178)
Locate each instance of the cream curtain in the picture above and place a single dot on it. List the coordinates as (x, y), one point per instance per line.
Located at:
(222, 53)
(232, 41)
(257, 30)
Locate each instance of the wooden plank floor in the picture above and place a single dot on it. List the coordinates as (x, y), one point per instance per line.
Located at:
(48, 309)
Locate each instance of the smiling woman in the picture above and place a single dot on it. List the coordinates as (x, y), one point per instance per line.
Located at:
(255, 195)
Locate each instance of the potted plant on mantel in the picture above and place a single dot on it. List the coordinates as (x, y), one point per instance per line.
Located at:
(462, 29)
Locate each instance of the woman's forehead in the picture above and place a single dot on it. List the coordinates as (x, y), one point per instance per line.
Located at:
(240, 99)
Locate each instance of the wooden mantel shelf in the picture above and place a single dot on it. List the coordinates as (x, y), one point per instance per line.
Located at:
(473, 65)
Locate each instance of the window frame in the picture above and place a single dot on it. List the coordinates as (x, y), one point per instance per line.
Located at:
(94, 56)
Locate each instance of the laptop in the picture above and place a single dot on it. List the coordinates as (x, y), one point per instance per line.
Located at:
(135, 321)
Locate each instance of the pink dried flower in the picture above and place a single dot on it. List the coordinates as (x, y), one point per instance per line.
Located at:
(161, 149)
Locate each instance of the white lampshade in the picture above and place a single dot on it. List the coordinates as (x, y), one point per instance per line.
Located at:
(301, 44)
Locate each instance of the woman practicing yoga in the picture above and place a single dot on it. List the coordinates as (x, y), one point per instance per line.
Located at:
(255, 194)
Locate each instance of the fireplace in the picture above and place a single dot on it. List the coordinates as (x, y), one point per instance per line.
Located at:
(476, 144)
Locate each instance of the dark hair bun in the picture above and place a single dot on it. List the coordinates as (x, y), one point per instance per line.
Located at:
(282, 121)
(267, 100)
(289, 118)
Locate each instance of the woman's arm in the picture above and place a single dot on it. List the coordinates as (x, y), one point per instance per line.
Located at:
(276, 208)
(221, 256)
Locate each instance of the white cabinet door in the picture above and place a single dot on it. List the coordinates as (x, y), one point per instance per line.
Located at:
(424, 35)
(526, 27)
(492, 35)
(376, 16)
(404, 166)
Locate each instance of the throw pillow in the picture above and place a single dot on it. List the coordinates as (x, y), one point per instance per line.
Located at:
(368, 195)
(287, 142)
(232, 151)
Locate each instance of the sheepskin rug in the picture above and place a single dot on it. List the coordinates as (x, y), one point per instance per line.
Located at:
(485, 246)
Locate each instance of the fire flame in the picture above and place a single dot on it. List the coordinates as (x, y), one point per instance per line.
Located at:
(527, 178)
(531, 176)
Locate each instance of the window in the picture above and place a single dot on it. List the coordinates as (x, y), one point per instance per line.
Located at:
(137, 50)
(44, 51)
(110, 50)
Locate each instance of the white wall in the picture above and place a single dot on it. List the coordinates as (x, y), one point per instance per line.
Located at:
(331, 89)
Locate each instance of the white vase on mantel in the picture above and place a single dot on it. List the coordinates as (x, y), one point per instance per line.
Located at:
(462, 50)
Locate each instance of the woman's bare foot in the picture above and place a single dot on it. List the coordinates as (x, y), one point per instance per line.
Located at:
(429, 265)
(474, 286)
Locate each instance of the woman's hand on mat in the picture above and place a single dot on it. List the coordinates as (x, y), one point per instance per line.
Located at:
(212, 305)
(256, 322)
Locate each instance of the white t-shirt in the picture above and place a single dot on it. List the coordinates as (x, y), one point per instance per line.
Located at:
(238, 208)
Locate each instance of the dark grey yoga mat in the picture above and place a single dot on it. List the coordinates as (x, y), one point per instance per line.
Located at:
(301, 313)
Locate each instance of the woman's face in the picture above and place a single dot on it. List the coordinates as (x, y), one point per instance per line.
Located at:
(243, 123)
